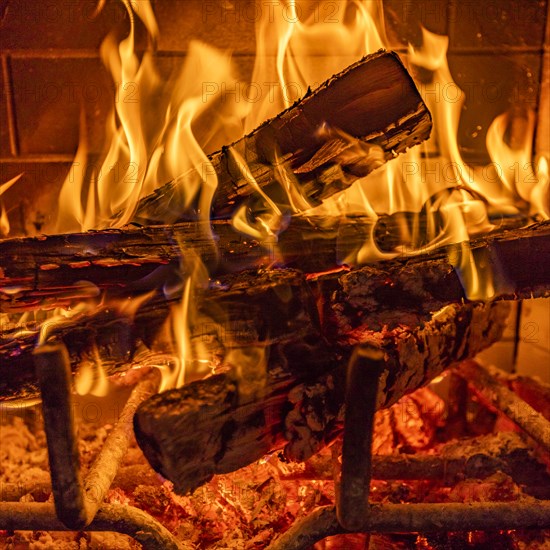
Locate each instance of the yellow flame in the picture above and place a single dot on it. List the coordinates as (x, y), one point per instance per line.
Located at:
(91, 377)
(183, 358)
(4, 221)
(301, 44)
(128, 307)
(178, 326)
(159, 129)
(5, 186)
(540, 197)
(62, 316)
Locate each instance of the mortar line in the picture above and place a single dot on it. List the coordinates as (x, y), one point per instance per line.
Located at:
(10, 106)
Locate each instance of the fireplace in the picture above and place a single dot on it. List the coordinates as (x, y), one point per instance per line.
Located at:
(221, 301)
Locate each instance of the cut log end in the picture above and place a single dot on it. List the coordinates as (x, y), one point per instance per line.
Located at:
(190, 434)
(371, 105)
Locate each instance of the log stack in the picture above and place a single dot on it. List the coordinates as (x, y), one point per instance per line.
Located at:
(279, 337)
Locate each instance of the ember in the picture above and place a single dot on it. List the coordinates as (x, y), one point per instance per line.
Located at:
(287, 304)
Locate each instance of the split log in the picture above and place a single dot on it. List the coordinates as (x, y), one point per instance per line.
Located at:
(372, 108)
(207, 427)
(403, 290)
(47, 271)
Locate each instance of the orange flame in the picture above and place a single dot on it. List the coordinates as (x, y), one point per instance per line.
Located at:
(91, 377)
(4, 221)
(160, 130)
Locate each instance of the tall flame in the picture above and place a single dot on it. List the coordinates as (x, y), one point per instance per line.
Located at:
(161, 129)
(300, 44)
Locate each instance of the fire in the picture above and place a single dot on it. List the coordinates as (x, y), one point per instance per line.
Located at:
(297, 49)
(158, 130)
(4, 221)
(91, 377)
(178, 327)
(540, 197)
(162, 129)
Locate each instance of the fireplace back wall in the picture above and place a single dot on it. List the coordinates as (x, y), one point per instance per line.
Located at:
(51, 71)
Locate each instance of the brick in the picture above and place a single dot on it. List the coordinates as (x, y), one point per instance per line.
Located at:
(226, 25)
(404, 19)
(491, 84)
(31, 202)
(49, 94)
(497, 23)
(60, 24)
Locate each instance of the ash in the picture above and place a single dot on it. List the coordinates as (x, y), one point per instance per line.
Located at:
(247, 509)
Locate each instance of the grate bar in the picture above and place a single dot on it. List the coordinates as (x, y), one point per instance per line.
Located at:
(421, 518)
(32, 516)
(364, 369)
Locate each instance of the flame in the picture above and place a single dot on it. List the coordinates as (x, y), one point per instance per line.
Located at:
(128, 307)
(163, 129)
(159, 129)
(91, 377)
(184, 358)
(297, 48)
(4, 221)
(540, 196)
(60, 316)
(178, 330)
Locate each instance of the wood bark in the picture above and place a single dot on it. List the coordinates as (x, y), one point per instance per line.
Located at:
(211, 426)
(342, 303)
(371, 106)
(47, 271)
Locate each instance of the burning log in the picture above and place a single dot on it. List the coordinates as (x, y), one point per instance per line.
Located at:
(207, 427)
(372, 108)
(258, 308)
(392, 292)
(47, 271)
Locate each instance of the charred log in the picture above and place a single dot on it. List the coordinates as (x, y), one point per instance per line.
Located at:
(403, 290)
(205, 427)
(245, 309)
(47, 271)
(372, 108)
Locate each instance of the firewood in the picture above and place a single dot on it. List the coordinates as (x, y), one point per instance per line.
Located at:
(46, 271)
(249, 308)
(403, 290)
(406, 290)
(207, 427)
(372, 107)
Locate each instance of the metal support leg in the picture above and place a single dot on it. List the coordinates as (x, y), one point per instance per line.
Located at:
(364, 371)
(54, 376)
